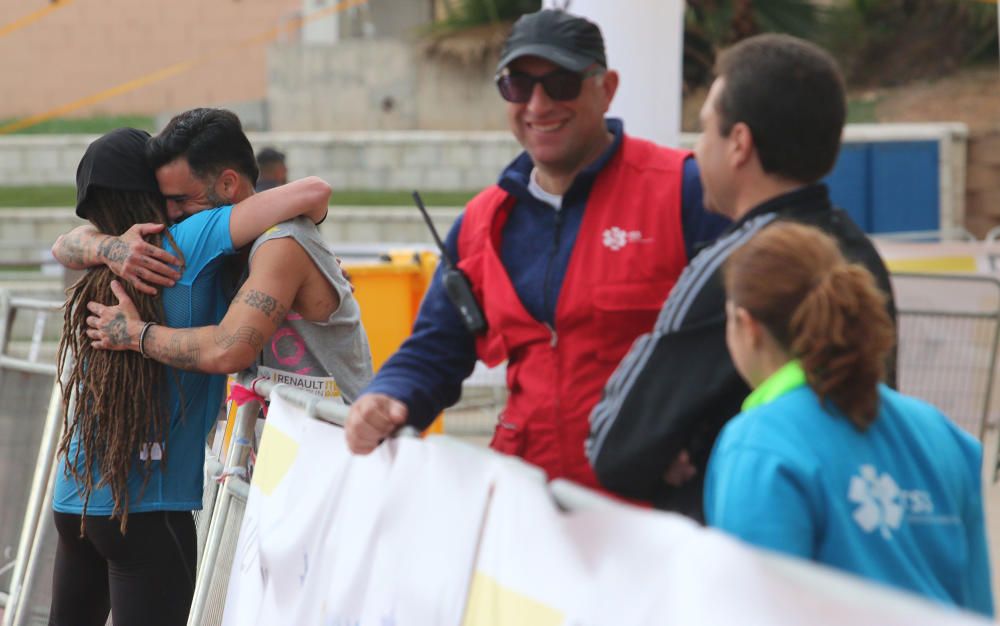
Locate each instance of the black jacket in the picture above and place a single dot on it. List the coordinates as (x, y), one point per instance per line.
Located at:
(677, 386)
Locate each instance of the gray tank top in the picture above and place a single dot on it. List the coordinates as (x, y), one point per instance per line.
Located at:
(329, 358)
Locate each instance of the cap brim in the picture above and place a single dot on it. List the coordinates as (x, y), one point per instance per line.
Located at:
(559, 56)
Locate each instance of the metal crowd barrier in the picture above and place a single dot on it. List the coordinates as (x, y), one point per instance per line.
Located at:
(203, 518)
(224, 518)
(947, 355)
(949, 329)
(27, 451)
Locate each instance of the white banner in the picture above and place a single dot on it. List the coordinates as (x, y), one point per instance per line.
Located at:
(617, 564)
(283, 561)
(436, 532)
(429, 531)
(330, 538)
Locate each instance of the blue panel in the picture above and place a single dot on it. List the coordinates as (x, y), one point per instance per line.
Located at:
(905, 186)
(849, 183)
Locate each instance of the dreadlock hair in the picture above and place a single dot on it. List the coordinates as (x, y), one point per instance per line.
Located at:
(119, 405)
(822, 310)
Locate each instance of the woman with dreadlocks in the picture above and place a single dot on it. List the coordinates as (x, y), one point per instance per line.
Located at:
(132, 451)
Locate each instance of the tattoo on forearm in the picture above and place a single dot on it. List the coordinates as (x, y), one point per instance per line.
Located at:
(266, 304)
(245, 334)
(117, 330)
(113, 250)
(71, 250)
(181, 351)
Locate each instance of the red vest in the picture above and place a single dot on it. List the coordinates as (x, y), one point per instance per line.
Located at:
(627, 256)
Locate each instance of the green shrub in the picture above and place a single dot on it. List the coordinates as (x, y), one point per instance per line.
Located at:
(478, 12)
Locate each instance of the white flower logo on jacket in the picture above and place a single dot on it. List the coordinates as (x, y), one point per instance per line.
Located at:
(879, 503)
(616, 238)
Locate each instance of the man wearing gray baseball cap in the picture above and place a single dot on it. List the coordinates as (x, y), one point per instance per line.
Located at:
(569, 255)
(571, 42)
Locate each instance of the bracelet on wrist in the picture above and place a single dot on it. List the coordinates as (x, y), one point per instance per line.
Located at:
(142, 338)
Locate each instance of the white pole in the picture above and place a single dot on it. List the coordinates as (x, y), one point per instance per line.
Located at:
(644, 41)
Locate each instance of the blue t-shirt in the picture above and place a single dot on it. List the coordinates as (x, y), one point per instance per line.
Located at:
(900, 503)
(197, 299)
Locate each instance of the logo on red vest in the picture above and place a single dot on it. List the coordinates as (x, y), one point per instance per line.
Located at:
(616, 238)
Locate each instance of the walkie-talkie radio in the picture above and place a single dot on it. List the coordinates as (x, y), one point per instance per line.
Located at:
(456, 284)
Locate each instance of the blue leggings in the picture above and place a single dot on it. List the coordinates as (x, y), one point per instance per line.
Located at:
(143, 578)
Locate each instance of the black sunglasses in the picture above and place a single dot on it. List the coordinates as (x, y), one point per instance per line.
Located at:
(560, 84)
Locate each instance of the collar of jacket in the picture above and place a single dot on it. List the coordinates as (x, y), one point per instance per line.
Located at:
(788, 377)
(515, 177)
(812, 197)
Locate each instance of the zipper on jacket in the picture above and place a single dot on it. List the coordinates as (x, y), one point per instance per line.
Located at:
(546, 291)
(553, 336)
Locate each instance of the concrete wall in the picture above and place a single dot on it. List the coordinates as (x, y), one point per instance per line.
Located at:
(378, 84)
(77, 49)
(983, 182)
(386, 18)
(360, 160)
(41, 159)
(467, 161)
(27, 234)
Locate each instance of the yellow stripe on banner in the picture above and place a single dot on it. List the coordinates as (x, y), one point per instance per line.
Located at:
(172, 70)
(31, 18)
(274, 459)
(493, 604)
(935, 264)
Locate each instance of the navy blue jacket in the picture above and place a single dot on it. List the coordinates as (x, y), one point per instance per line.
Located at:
(426, 373)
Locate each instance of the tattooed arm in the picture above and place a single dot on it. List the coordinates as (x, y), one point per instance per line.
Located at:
(278, 271)
(129, 256)
(307, 196)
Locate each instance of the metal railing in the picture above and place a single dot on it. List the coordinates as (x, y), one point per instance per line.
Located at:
(225, 517)
(24, 377)
(947, 356)
(949, 331)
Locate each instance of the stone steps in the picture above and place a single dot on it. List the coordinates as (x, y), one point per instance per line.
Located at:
(26, 234)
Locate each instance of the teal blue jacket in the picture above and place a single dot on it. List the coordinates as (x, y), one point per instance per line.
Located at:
(900, 503)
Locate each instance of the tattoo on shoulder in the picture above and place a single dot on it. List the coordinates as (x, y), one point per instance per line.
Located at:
(264, 303)
(113, 249)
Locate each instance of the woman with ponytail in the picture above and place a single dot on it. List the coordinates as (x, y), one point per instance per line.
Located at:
(825, 462)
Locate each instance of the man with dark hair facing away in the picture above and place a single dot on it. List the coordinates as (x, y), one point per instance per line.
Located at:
(771, 128)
